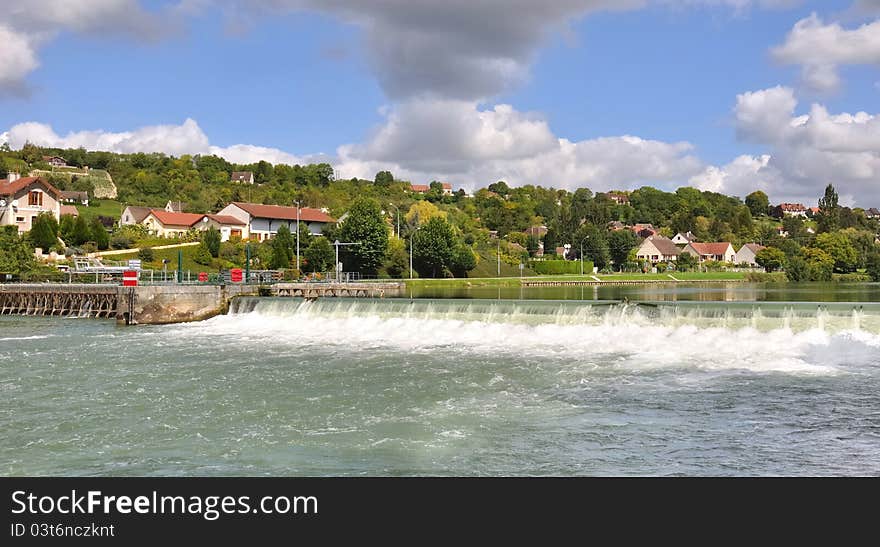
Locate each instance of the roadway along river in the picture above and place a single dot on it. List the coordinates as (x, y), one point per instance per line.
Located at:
(447, 387)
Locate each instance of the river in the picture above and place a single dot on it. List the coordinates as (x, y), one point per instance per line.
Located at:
(480, 386)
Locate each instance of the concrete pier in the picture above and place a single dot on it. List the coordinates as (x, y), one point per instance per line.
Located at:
(340, 290)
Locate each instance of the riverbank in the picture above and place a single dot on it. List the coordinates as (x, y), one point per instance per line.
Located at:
(610, 279)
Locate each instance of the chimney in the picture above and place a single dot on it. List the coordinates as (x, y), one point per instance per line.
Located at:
(12, 177)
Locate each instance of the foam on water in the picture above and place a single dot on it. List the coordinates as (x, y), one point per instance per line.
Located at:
(800, 340)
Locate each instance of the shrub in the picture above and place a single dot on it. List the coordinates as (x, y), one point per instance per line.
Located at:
(146, 254)
(121, 242)
(560, 267)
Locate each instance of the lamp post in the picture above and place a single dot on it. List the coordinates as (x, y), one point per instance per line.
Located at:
(498, 254)
(298, 202)
(582, 253)
(336, 264)
(411, 234)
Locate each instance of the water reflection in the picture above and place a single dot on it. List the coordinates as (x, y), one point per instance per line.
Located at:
(698, 292)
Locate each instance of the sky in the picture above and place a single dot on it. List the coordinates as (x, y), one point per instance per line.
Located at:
(724, 95)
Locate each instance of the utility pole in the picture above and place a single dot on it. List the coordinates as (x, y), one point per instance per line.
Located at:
(398, 219)
(582, 253)
(498, 254)
(336, 265)
(298, 202)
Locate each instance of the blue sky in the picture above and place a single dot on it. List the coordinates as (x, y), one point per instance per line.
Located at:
(331, 81)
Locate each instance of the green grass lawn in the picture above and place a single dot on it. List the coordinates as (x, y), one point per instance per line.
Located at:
(171, 255)
(105, 207)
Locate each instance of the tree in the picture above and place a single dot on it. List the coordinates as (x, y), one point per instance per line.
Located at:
(211, 238)
(771, 259)
(384, 178)
(500, 188)
(829, 211)
(365, 226)
(685, 262)
(65, 228)
(15, 255)
(758, 203)
(44, 231)
(319, 256)
(282, 248)
(797, 269)
(620, 242)
(820, 264)
(421, 212)
(146, 254)
(202, 255)
(397, 259)
(81, 232)
(841, 250)
(873, 265)
(463, 261)
(99, 234)
(433, 247)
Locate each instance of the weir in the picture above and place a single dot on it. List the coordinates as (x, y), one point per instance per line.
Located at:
(64, 300)
(761, 316)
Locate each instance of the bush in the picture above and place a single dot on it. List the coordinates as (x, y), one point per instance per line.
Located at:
(146, 254)
(851, 278)
(121, 242)
(560, 267)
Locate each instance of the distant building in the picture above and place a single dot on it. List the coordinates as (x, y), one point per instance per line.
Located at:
(537, 231)
(176, 206)
(684, 238)
(22, 199)
(69, 210)
(616, 225)
(872, 213)
(167, 224)
(719, 252)
(747, 253)
(425, 188)
(618, 197)
(263, 221)
(133, 215)
(658, 249)
(55, 161)
(793, 209)
(244, 177)
(644, 230)
(81, 198)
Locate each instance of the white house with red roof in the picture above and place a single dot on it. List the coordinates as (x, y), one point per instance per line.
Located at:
(22, 199)
(425, 188)
(263, 221)
(719, 252)
(168, 224)
(793, 209)
(747, 254)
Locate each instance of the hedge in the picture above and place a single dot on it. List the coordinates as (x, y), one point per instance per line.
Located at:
(560, 267)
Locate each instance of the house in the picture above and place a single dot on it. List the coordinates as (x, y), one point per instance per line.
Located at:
(618, 197)
(644, 230)
(793, 209)
(69, 210)
(746, 254)
(813, 211)
(872, 213)
(719, 252)
(658, 249)
(537, 231)
(176, 206)
(134, 215)
(55, 161)
(168, 224)
(22, 199)
(616, 225)
(262, 221)
(244, 177)
(229, 226)
(425, 188)
(684, 238)
(81, 198)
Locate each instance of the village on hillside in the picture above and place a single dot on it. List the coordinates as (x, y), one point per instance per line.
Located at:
(537, 229)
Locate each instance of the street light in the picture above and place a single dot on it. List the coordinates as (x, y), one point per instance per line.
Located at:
(336, 264)
(411, 251)
(398, 219)
(582, 253)
(298, 202)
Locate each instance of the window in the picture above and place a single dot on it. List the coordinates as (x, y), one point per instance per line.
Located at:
(19, 219)
(35, 198)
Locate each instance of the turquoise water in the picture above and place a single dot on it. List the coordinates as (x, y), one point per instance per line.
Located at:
(447, 387)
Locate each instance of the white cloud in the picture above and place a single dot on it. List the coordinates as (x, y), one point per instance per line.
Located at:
(807, 151)
(186, 138)
(822, 48)
(456, 141)
(17, 59)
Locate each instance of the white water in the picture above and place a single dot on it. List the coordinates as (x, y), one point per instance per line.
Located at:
(800, 340)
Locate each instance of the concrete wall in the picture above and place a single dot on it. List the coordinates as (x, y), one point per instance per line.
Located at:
(161, 304)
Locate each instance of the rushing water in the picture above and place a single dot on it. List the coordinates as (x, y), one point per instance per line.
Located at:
(448, 387)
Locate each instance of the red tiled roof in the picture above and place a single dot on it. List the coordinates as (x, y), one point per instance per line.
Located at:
(792, 207)
(176, 219)
(710, 248)
(69, 210)
(420, 187)
(284, 213)
(10, 188)
(227, 219)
